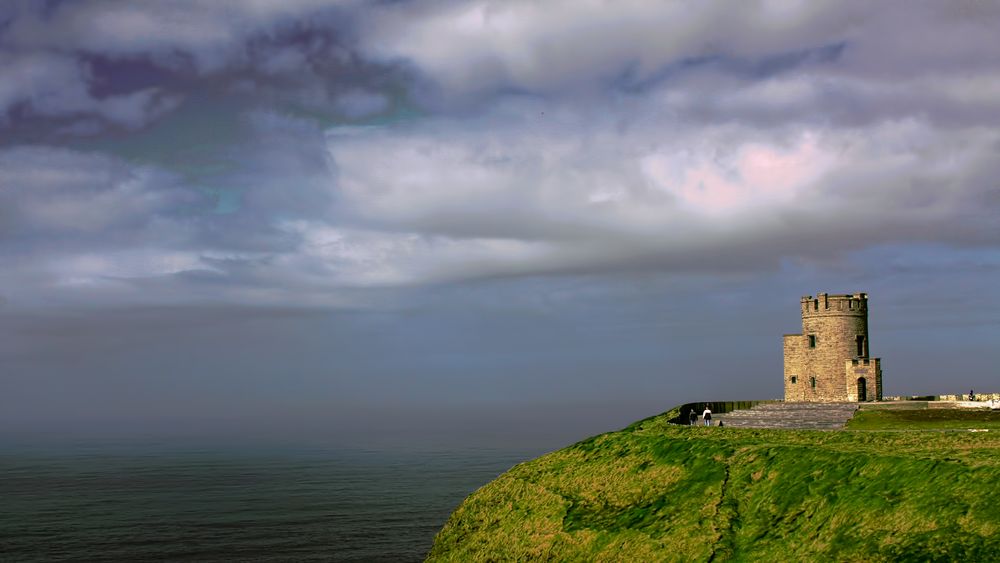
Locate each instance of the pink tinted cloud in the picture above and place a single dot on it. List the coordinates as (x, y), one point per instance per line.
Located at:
(755, 175)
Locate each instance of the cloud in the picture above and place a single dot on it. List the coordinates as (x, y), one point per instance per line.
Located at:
(766, 61)
(85, 225)
(585, 195)
(446, 200)
(343, 257)
(472, 47)
(118, 64)
(490, 139)
(757, 60)
(212, 34)
(49, 83)
(73, 219)
(360, 103)
(137, 108)
(58, 86)
(57, 192)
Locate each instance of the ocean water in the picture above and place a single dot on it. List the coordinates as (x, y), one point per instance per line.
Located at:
(141, 503)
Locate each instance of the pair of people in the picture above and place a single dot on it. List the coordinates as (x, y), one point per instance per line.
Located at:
(706, 415)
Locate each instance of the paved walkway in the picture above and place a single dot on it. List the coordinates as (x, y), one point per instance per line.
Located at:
(808, 416)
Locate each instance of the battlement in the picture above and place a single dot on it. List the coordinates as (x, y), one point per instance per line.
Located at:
(827, 304)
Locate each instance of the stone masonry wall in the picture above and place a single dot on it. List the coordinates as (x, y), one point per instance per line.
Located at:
(871, 370)
(796, 367)
(831, 326)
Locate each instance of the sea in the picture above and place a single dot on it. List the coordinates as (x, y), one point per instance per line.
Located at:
(163, 502)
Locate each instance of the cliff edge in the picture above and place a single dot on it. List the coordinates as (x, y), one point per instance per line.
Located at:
(660, 492)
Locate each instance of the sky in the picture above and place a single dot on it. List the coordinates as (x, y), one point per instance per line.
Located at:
(480, 223)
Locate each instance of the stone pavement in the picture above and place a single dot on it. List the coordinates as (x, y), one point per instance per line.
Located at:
(799, 416)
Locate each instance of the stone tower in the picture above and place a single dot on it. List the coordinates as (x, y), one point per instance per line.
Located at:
(829, 362)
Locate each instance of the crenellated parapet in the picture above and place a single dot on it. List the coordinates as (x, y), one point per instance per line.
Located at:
(825, 304)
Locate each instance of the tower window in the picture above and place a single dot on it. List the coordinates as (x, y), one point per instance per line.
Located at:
(861, 345)
(812, 340)
(812, 382)
(795, 379)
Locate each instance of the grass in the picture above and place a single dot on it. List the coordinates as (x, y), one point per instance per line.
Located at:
(660, 492)
(926, 419)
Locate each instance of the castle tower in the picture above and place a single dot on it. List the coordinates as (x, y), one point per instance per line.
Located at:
(829, 361)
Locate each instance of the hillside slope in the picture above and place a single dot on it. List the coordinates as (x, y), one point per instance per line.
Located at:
(659, 492)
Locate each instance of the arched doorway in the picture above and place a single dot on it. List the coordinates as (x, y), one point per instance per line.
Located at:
(862, 389)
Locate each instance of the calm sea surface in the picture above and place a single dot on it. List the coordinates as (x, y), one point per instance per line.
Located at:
(210, 504)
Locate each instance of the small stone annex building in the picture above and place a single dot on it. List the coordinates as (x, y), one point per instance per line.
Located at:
(829, 361)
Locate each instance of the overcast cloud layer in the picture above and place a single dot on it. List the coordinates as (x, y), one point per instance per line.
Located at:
(391, 156)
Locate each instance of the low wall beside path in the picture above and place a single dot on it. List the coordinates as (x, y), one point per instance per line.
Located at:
(717, 407)
(980, 398)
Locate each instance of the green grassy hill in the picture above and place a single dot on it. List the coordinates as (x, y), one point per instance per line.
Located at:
(660, 492)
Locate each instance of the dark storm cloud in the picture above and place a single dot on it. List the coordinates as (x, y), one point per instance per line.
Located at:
(112, 65)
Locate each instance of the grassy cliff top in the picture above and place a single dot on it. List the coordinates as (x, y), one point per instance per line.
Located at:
(660, 492)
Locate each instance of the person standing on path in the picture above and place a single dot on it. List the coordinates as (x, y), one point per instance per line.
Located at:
(707, 416)
(692, 418)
